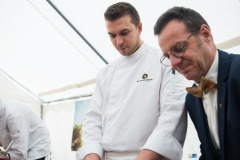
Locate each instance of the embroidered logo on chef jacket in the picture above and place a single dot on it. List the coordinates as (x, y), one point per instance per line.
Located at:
(144, 78)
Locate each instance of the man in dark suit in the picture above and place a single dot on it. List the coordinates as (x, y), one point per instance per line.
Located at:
(214, 100)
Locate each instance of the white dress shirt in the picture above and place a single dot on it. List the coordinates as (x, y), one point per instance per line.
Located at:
(129, 113)
(29, 133)
(210, 104)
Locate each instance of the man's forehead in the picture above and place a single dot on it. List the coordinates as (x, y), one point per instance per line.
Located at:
(173, 32)
(119, 24)
(173, 28)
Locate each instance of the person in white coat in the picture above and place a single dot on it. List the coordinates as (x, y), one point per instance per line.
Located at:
(30, 136)
(137, 108)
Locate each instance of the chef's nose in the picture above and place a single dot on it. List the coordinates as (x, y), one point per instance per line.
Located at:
(119, 40)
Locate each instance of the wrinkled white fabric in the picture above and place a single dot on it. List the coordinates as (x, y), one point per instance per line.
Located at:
(129, 113)
(29, 133)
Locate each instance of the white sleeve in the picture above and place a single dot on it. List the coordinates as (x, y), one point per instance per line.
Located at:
(169, 135)
(92, 126)
(19, 133)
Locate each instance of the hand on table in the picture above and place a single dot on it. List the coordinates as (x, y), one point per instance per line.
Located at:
(5, 157)
(146, 154)
(92, 156)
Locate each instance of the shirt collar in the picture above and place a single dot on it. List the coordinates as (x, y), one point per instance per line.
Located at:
(212, 73)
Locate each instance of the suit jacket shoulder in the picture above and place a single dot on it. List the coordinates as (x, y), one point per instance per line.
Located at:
(234, 68)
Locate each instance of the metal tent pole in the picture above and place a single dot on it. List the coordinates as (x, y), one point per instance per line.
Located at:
(60, 13)
(42, 111)
(70, 98)
(22, 86)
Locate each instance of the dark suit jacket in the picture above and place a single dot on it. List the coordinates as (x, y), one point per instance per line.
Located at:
(228, 101)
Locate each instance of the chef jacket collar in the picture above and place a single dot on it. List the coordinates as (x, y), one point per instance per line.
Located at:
(136, 55)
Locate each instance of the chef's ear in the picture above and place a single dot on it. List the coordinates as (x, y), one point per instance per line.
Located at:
(139, 27)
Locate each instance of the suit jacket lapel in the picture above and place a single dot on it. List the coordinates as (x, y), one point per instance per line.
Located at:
(201, 116)
(222, 85)
(201, 119)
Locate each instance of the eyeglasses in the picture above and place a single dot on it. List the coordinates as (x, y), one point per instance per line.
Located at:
(177, 50)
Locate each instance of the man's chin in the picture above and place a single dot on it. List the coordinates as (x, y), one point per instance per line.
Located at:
(187, 72)
(189, 76)
(125, 53)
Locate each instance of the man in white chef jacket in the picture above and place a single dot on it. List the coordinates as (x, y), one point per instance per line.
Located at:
(137, 108)
(29, 133)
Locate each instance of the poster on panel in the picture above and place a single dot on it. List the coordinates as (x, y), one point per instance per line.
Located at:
(81, 107)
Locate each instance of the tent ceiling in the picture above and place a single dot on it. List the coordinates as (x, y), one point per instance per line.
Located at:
(221, 15)
(69, 87)
(42, 52)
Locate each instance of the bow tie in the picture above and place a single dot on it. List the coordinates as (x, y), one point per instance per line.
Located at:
(205, 86)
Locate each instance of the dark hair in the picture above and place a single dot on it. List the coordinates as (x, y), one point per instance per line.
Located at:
(121, 9)
(192, 19)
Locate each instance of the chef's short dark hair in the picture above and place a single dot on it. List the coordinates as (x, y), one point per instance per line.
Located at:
(121, 9)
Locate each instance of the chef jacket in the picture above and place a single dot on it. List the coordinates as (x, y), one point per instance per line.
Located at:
(29, 133)
(137, 104)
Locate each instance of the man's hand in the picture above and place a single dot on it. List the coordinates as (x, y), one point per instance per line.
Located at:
(92, 156)
(146, 154)
(6, 156)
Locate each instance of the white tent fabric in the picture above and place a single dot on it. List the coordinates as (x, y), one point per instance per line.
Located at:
(42, 52)
(43, 59)
(11, 90)
(59, 120)
(47, 54)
